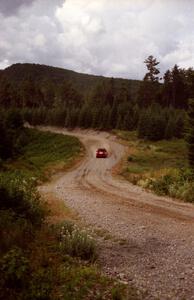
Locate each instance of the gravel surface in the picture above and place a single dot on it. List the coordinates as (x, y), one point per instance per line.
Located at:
(144, 240)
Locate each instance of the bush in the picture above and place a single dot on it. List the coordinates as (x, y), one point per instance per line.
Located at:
(14, 268)
(20, 282)
(14, 231)
(188, 193)
(40, 285)
(130, 158)
(176, 183)
(161, 186)
(11, 128)
(19, 195)
(76, 243)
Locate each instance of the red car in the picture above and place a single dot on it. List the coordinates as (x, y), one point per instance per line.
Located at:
(101, 153)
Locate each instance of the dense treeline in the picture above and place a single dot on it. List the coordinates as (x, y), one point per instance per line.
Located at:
(156, 123)
(106, 108)
(59, 97)
(163, 106)
(13, 136)
(176, 89)
(190, 133)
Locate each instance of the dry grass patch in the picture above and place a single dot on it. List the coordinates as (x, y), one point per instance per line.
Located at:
(58, 211)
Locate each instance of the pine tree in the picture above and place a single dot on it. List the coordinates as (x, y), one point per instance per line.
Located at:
(113, 115)
(153, 71)
(190, 133)
(152, 123)
(190, 82)
(143, 124)
(150, 87)
(170, 129)
(179, 90)
(167, 89)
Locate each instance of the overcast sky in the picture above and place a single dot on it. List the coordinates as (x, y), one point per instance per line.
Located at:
(105, 37)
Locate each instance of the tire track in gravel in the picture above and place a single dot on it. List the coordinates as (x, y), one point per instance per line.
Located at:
(152, 244)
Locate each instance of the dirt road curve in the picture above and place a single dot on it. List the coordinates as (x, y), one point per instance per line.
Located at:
(145, 240)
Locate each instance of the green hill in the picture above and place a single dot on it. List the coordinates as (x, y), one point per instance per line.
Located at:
(62, 97)
(83, 83)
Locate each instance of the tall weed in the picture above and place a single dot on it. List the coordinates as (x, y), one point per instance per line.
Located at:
(76, 242)
(176, 183)
(19, 195)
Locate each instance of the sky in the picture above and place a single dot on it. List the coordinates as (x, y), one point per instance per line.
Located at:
(102, 37)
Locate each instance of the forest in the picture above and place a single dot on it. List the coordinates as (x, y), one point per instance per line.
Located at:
(33, 252)
(155, 106)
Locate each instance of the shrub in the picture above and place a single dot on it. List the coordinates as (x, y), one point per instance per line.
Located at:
(20, 282)
(40, 285)
(14, 231)
(20, 196)
(117, 294)
(186, 174)
(130, 158)
(161, 186)
(76, 243)
(14, 268)
(188, 193)
(177, 183)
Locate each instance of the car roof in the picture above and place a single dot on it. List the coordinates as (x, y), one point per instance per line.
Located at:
(101, 149)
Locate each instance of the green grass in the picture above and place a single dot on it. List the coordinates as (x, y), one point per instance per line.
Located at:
(148, 156)
(46, 153)
(160, 166)
(129, 136)
(56, 260)
(87, 282)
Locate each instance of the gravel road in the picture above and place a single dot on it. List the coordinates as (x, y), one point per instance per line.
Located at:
(145, 240)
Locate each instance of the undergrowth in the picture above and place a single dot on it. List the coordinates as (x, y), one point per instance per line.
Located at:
(43, 259)
(45, 153)
(159, 166)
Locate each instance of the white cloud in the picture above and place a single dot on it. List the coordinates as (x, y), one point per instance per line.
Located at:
(98, 36)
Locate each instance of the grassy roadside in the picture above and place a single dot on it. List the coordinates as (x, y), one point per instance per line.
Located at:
(44, 255)
(160, 166)
(80, 278)
(46, 153)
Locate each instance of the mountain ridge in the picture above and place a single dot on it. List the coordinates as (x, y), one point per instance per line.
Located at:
(64, 69)
(81, 81)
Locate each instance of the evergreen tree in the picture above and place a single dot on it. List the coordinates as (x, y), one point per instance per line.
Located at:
(110, 92)
(5, 145)
(156, 126)
(190, 82)
(170, 129)
(5, 93)
(113, 115)
(14, 120)
(152, 124)
(167, 89)
(48, 91)
(143, 124)
(11, 125)
(180, 125)
(105, 117)
(153, 71)
(150, 87)
(179, 89)
(190, 133)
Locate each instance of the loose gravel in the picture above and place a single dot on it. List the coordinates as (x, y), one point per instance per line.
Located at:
(144, 240)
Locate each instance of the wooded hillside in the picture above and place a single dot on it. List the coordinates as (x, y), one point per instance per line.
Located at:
(46, 95)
